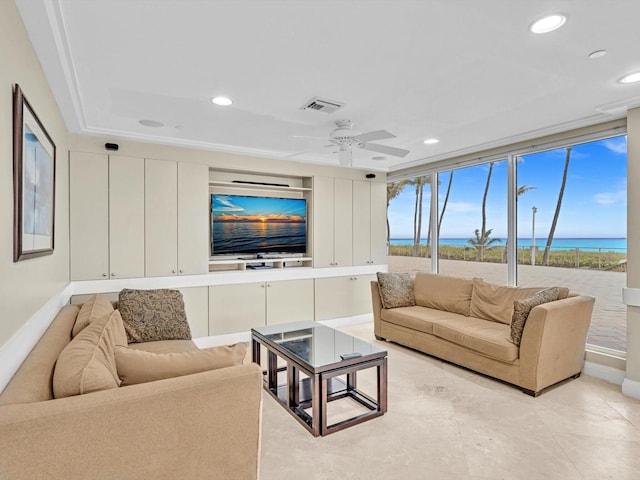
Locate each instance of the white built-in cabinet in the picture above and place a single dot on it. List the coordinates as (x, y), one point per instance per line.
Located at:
(240, 307)
(369, 223)
(337, 297)
(196, 307)
(332, 222)
(176, 218)
(106, 196)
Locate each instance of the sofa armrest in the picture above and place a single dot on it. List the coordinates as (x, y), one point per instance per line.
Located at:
(377, 308)
(553, 341)
(205, 425)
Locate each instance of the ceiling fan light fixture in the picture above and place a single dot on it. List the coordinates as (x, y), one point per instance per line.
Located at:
(431, 141)
(630, 78)
(222, 101)
(548, 24)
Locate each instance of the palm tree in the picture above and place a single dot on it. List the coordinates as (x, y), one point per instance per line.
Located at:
(483, 231)
(393, 191)
(545, 256)
(481, 242)
(522, 189)
(419, 182)
(444, 205)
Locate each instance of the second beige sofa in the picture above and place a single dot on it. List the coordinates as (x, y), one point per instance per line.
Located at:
(467, 322)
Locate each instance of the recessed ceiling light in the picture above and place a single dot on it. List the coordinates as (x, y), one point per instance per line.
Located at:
(431, 141)
(151, 123)
(222, 101)
(631, 78)
(597, 54)
(378, 157)
(548, 24)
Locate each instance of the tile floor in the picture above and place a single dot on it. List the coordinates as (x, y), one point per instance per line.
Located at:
(446, 422)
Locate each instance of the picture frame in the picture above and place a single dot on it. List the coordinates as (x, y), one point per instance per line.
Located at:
(34, 183)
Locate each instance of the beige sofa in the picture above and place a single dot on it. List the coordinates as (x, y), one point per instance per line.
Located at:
(467, 322)
(199, 426)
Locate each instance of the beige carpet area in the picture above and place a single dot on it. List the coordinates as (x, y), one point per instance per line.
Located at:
(446, 422)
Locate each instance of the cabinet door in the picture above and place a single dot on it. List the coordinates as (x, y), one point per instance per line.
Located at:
(361, 302)
(378, 223)
(338, 297)
(193, 218)
(289, 301)
(89, 216)
(323, 222)
(126, 217)
(332, 297)
(361, 223)
(161, 218)
(343, 222)
(196, 306)
(236, 308)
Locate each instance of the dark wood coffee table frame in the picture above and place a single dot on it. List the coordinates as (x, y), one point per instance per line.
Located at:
(320, 386)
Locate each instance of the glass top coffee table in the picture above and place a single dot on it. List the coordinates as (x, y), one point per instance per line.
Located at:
(329, 361)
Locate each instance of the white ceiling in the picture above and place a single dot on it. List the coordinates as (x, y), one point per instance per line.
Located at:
(465, 71)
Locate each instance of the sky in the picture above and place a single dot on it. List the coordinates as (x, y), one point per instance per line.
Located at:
(237, 207)
(594, 204)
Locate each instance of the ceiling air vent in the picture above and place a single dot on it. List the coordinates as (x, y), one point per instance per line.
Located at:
(322, 105)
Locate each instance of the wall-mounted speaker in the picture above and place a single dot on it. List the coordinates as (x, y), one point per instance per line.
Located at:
(111, 146)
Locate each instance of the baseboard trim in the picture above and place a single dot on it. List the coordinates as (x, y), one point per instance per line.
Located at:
(16, 349)
(604, 372)
(631, 388)
(346, 321)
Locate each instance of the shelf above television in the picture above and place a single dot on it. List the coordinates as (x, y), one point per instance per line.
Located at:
(257, 186)
(258, 263)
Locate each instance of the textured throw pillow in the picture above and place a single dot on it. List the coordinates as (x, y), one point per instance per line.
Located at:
(152, 315)
(396, 290)
(87, 364)
(96, 307)
(522, 308)
(138, 366)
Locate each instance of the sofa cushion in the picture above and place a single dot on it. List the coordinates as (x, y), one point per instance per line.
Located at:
(451, 294)
(87, 364)
(487, 338)
(396, 289)
(165, 346)
(151, 315)
(96, 307)
(495, 302)
(522, 308)
(139, 366)
(417, 318)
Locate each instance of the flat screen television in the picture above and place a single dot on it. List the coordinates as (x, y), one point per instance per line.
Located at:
(257, 225)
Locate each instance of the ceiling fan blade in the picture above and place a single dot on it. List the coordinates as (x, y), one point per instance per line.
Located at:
(345, 158)
(373, 136)
(396, 152)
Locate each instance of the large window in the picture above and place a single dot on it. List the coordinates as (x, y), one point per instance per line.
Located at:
(574, 216)
(568, 224)
(408, 219)
(472, 218)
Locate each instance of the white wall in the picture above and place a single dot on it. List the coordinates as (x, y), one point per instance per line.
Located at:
(27, 285)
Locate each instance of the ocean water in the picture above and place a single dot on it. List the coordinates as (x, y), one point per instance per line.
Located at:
(584, 244)
(258, 237)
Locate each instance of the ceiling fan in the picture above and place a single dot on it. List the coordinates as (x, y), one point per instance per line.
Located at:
(345, 138)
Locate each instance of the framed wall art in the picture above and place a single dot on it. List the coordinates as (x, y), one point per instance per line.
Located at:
(34, 167)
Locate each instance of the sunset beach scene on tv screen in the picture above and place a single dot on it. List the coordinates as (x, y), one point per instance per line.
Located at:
(250, 225)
